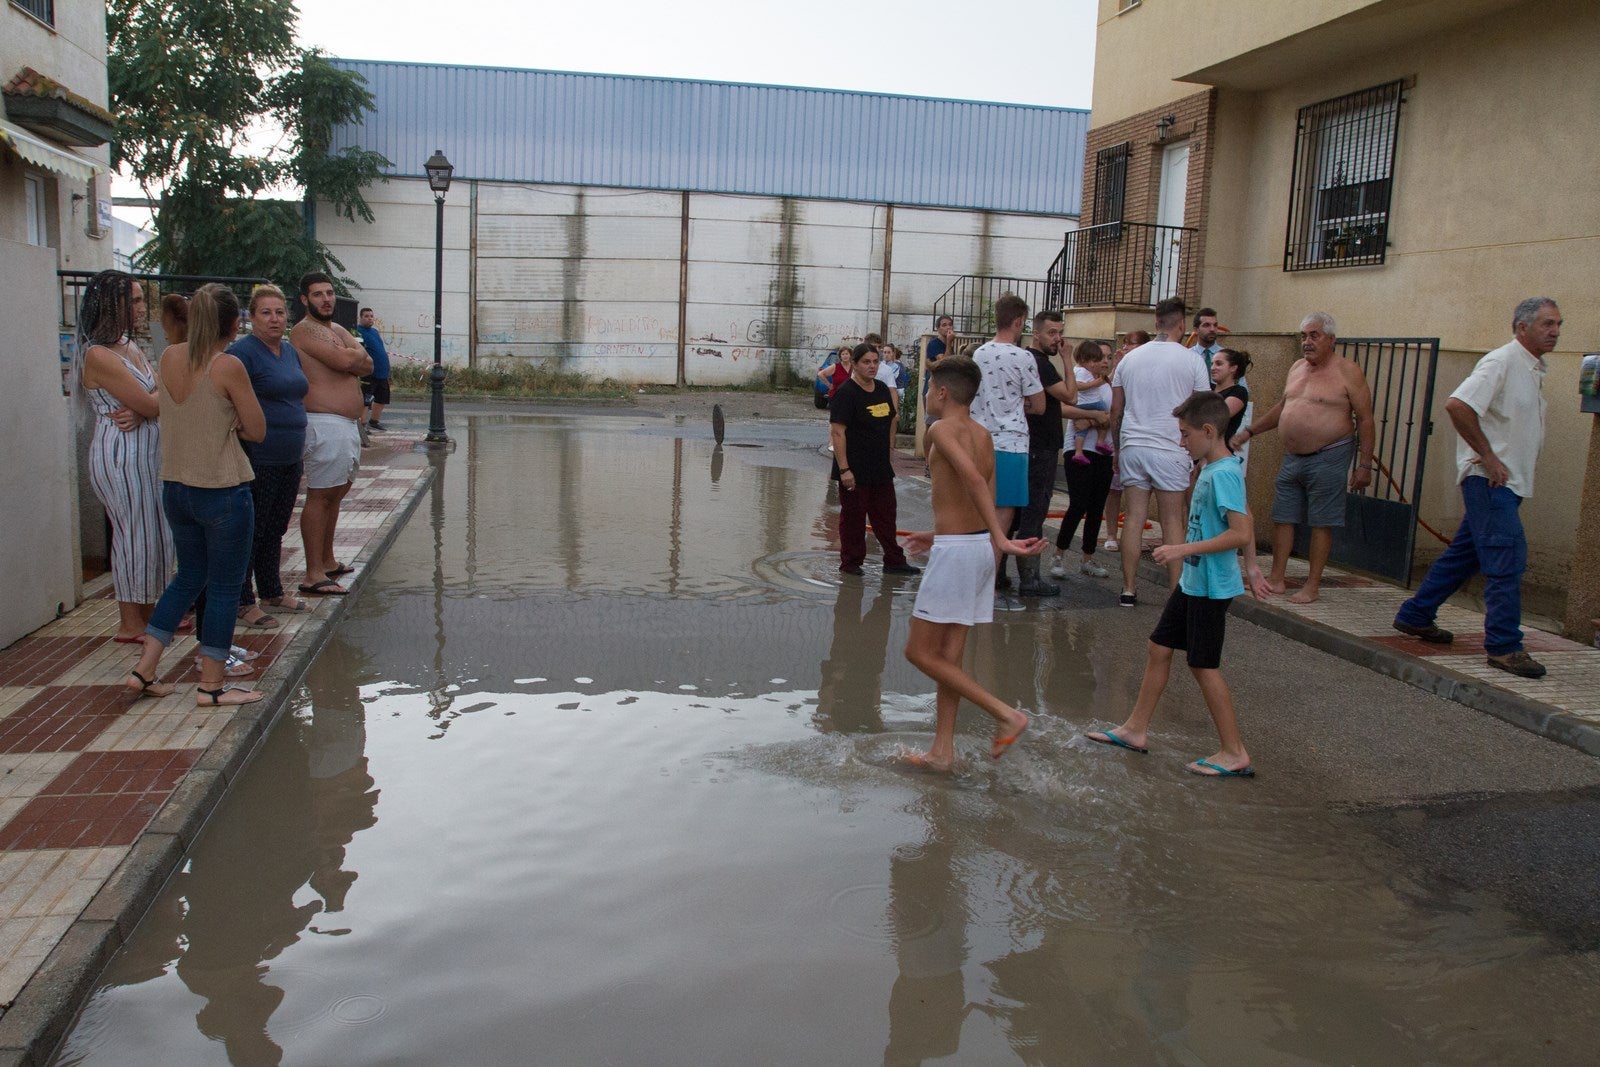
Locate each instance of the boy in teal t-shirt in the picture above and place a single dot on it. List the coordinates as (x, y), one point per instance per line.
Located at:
(1196, 615)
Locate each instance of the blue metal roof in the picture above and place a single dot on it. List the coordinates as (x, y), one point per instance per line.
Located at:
(498, 124)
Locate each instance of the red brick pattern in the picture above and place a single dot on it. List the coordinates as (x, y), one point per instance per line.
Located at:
(41, 660)
(62, 718)
(100, 799)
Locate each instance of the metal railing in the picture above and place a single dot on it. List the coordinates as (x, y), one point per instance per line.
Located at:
(1123, 264)
(73, 282)
(970, 300)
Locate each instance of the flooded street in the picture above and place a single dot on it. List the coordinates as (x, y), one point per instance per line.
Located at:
(600, 769)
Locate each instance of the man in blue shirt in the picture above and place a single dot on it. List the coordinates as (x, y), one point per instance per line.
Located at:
(376, 384)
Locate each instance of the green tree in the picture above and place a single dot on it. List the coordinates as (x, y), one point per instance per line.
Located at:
(195, 84)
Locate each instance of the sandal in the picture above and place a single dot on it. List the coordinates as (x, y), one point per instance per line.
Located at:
(234, 668)
(262, 621)
(214, 696)
(149, 687)
(286, 603)
(340, 568)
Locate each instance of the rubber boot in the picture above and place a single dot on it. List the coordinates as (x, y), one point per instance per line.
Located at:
(1032, 584)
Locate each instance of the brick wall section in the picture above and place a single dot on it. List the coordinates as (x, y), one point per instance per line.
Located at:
(1196, 116)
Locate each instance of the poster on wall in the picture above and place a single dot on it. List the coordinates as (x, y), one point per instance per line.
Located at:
(69, 359)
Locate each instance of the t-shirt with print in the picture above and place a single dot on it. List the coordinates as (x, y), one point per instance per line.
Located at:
(868, 420)
(1044, 429)
(1218, 490)
(1155, 378)
(1009, 375)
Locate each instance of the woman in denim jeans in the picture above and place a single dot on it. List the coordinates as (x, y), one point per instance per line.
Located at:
(207, 406)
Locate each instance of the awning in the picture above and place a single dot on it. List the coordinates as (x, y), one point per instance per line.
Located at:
(42, 153)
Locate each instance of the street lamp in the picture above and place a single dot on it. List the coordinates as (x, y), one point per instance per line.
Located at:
(439, 171)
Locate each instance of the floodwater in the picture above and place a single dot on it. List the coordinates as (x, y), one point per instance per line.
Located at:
(600, 770)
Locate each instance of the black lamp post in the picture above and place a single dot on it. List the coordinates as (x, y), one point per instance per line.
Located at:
(439, 171)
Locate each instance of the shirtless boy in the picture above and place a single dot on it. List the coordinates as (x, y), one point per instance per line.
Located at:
(957, 590)
(1324, 416)
(333, 436)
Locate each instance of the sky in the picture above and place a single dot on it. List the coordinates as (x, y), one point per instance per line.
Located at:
(1019, 52)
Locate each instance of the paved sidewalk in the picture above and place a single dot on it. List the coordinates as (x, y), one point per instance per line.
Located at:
(101, 796)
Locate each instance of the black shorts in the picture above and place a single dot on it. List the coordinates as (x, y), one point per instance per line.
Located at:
(1195, 624)
(375, 391)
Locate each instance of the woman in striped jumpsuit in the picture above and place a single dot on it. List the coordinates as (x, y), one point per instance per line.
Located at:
(125, 453)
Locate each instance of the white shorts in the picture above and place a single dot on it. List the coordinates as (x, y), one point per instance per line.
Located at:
(333, 450)
(958, 585)
(1142, 467)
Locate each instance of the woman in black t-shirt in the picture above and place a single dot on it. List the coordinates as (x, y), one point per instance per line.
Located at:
(1227, 367)
(861, 425)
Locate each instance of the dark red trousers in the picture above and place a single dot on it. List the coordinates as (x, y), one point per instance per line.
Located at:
(856, 506)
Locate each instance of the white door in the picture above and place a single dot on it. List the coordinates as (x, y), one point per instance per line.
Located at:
(1169, 212)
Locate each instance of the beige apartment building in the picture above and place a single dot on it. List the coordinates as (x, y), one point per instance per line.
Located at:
(55, 214)
(1414, 167)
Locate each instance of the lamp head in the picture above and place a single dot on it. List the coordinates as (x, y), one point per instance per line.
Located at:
(439, 171)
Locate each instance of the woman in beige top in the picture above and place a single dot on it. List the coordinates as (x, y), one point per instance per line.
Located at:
(207, 405)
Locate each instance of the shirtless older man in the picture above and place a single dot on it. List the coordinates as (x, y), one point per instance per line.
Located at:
(333, 436)
(1325, 414)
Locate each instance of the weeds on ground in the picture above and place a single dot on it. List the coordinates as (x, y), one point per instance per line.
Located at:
(514, 379)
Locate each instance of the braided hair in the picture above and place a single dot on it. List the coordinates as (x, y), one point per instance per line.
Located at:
(105, 316)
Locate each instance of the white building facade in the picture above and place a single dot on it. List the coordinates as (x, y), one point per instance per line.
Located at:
(55, 205)
(702, 233)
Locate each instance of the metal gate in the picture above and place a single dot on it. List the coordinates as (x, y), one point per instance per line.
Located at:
(1380, 525)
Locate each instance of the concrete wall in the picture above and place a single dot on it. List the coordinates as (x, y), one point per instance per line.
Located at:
(589, 278)
(38, 556)
(42, 550)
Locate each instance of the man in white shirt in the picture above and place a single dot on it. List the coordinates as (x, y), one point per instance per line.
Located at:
(1148, 384)
(1206, 343)
(1498, 414)
(1010, 391)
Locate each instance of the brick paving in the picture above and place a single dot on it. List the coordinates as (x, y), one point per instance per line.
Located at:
(84, 769)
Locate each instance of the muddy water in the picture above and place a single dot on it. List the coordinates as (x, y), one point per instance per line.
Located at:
(600, 770)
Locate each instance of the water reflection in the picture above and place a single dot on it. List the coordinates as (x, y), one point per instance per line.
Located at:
(240, 901)
(850, 697)
(928, 918)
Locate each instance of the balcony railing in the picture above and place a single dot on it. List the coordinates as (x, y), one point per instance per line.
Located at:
(970, 301)
(1123, 264)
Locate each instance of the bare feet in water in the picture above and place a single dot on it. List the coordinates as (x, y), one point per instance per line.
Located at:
(925, 761)
(1006, 735)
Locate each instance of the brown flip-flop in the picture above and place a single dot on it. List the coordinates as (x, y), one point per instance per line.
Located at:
(327, 587)
(340, 568)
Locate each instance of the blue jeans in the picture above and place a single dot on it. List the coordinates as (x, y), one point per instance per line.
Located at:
(1489, 540)
(211, 531)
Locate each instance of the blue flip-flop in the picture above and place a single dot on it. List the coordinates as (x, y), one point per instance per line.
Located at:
(1222, 772)
(1116, 742)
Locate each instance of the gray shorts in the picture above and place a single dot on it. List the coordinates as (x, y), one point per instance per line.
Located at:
(1311, 489)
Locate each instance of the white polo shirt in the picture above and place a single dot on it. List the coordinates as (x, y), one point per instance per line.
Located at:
(1506, 389)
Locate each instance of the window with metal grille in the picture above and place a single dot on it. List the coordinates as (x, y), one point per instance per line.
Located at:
(43, 10)
(1343, 173)
(1110, 183)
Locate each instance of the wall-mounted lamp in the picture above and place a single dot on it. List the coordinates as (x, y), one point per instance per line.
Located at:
(1166, 123)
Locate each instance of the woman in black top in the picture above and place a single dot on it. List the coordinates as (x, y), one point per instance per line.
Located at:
(1228, 366)
(861, 427)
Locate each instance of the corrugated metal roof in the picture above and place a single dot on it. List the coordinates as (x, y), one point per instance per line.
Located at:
(499, 124)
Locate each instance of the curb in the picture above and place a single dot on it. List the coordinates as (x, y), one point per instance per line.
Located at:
(1513, 708)
(37, 1021)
